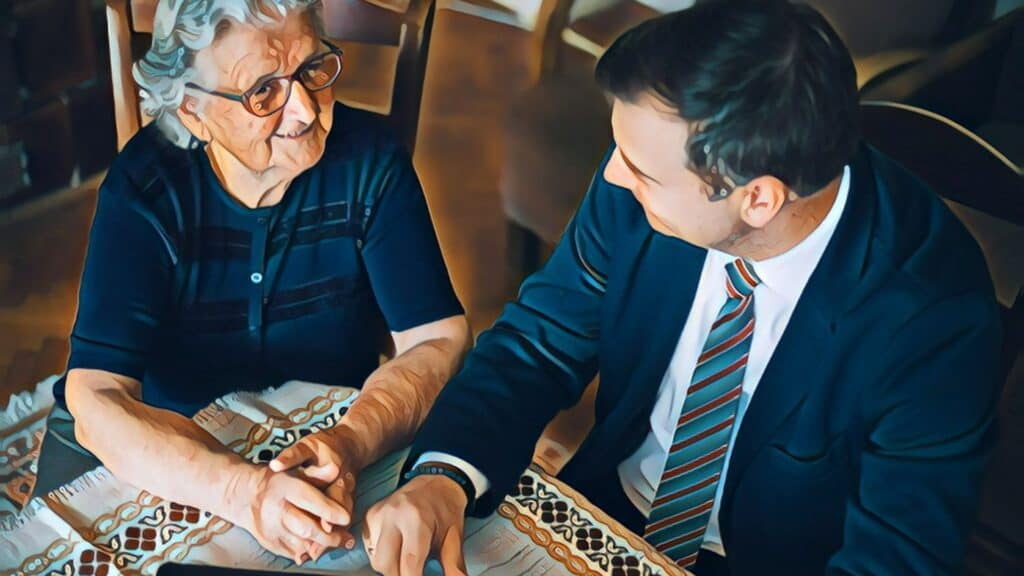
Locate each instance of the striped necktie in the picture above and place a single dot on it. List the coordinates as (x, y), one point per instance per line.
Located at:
(686, 492)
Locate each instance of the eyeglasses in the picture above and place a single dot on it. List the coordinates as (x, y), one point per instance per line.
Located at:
(269, 96)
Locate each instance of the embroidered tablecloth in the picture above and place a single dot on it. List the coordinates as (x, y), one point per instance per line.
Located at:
(99, 526)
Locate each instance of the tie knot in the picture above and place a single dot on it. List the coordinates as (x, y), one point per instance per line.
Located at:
(740, 278)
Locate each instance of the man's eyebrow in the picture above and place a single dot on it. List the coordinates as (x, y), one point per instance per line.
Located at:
(634, 168)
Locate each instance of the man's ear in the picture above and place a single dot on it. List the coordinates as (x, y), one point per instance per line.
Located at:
(761, 199)
(188, 113)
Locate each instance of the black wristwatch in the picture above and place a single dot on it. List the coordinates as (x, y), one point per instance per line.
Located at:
(448, 471)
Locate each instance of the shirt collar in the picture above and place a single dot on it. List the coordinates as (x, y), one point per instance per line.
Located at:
(788, 273)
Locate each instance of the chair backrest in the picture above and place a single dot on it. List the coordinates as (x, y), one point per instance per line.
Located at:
(879, 25)
(552, 19)
(957, 163)
(590, 26)
(960, 81)
(981, 185)
(401, 24)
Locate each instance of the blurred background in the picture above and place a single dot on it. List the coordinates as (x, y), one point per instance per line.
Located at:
(497, 99)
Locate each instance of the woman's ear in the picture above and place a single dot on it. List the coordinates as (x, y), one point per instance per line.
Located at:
(192, 119)
(763, 198)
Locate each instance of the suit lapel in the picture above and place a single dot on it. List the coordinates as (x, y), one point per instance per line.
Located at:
(652, 316)
(795, 367)
(839, 281)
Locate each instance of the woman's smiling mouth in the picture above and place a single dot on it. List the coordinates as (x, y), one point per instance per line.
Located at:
(297, 133)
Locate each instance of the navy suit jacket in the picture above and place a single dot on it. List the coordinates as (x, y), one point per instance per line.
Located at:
(861, 450)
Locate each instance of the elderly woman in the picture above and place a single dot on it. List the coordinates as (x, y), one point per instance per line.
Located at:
(256, 232)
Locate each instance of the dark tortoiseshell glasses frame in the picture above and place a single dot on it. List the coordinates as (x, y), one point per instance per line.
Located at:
(247, 98)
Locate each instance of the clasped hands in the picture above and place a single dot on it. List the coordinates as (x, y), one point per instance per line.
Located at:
(301, 504)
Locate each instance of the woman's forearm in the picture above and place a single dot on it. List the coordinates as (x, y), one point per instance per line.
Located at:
(396, 398)
(158, 450)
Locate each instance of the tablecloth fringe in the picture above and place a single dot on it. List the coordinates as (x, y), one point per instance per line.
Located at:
(65, 493)
(208, 414)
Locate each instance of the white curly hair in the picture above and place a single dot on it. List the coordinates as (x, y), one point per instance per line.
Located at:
(180, 29)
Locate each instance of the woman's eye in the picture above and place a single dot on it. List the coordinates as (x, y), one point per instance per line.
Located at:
(263, 89)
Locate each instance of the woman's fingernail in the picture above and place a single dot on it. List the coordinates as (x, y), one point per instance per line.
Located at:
(350, 544)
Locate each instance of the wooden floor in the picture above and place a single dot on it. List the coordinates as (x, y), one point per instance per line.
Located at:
(475, 68)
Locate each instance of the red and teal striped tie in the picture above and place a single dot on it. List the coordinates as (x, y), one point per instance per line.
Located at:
(686, 492)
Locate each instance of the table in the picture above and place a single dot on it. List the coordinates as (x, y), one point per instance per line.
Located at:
(100, 526)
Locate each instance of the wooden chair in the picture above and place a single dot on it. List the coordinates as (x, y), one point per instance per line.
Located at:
(399, 26)
(501, 12)
(557, 130)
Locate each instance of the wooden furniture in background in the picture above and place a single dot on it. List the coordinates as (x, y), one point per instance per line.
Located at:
(126, 97)
(557, 130)
(501, 12)
(56, 127)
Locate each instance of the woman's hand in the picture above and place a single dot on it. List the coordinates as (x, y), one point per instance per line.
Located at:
(330, 459)
(288, 515)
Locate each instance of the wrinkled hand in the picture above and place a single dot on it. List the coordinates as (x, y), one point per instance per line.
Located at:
(287, 515)
(329, 460)
(424, 517)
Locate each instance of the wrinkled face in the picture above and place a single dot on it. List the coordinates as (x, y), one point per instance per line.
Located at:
(650, 160)
(290, 140)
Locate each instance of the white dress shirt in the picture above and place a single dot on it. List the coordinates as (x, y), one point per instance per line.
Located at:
(783, 278)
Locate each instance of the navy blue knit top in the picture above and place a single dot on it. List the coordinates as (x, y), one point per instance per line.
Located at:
(197, 296)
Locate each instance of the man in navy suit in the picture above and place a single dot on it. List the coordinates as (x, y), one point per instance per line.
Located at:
(797, 341)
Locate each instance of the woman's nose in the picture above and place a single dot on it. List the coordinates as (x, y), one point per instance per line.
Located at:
(300, 106)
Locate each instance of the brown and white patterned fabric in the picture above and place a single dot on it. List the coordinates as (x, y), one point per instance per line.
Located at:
(22, 427)
(100, 526)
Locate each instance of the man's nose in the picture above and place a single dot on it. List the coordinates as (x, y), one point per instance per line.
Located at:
(616, 172)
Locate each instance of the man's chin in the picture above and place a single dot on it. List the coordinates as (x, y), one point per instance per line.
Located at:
(658, 226)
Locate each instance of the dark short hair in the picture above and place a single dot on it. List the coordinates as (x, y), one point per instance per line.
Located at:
(766, 86)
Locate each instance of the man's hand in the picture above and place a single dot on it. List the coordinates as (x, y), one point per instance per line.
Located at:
(424, 517)
(287, 515)
(330, 460)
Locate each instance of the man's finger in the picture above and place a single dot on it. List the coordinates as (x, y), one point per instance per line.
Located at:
(307, 527)
(292, 456)
(371, 530)
(450, 555)
(415, 549)
(385, 550)
(308, 498)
